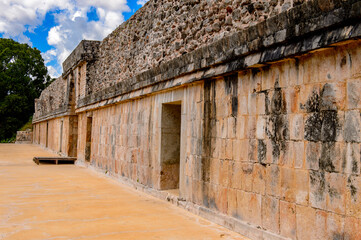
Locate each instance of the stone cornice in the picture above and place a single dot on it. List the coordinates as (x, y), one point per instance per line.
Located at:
(310, 26)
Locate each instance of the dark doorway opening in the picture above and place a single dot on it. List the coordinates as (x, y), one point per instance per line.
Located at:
(47, 134)
(61, 135)
(170, 145)
(89, 122)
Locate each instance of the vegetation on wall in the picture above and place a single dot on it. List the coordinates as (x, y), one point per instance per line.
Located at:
(23, 75)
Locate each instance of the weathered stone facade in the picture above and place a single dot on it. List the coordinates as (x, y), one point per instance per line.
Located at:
(24, 136)
(259, 130)
(165, 29)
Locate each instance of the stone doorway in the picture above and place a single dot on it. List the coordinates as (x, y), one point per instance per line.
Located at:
(170, 146)
(61, 135)
(47, 135)
(89, 122)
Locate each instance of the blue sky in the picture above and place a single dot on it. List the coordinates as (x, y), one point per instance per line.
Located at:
(56, 27)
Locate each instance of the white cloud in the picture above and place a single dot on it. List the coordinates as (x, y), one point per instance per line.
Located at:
(53, 72)
(142, 2)
(49, 55)
(18, 16)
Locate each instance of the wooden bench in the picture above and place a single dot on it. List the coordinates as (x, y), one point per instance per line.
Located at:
(56, 160)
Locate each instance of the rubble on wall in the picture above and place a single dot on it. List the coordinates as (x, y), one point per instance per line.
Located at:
(51, 99)
(165, 29)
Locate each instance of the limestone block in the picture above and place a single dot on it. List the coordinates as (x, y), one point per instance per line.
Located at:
(309, 97)
(313, 154)
(251, 126)
(288, 184)
(273, 181)
(261, 106)
(232, 202)
(321, 223)
(215, 169)
(292, 99)
(351, 226)
(237, 176)
(262, 151)
(259, 174)
(333, 96)
(310, 74)
(285, 157)
(243, 104)
(288, 219)
(240, 126)
(223, 200)
(271, 214)
(352, 161)
(353, 94)
(318, 189)
(225, 173)
(228, 149)
(352, 131)
(252, 104)
(298, 154)
(301, 190)
(236, 155)
(252, 150)
(356, 61)
(335, 196)
(306, 221)
(231, 127)
(326, 66)
(353, 196)
(244, 146)
(247, 169)
(332, 156)
(335, 226)
(253, 207)
(261, 127)
(296, 127)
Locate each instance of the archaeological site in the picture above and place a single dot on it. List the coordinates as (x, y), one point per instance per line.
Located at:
(244, 112)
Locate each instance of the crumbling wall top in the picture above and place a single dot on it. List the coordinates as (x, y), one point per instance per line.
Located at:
(85, 51)
(52, 100)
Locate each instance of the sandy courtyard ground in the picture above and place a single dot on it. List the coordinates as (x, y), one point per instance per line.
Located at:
(69, 202)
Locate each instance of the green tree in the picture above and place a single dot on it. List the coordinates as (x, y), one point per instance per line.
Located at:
(23, 76)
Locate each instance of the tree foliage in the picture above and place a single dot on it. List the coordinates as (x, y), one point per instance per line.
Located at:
(23, 76)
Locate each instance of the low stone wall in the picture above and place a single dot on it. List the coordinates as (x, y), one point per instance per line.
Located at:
(57, 134)
(52, 99)
(24, 137)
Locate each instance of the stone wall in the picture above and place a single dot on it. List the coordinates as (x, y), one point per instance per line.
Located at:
(165, 29)
(52, 99)
(24, 136)
(58, 135)
(270, 146)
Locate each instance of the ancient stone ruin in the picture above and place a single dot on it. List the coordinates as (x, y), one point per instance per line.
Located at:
(244, 112)
(24, 137)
